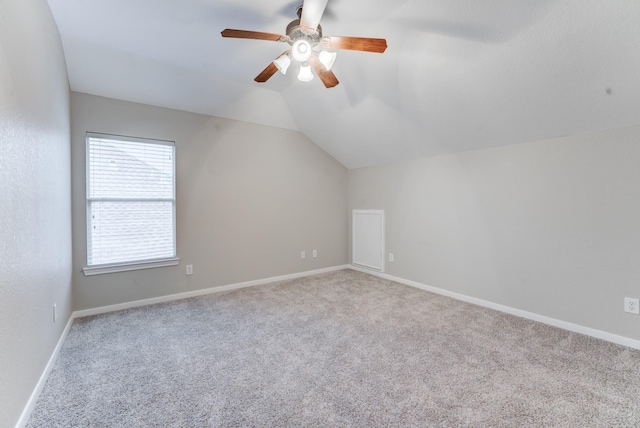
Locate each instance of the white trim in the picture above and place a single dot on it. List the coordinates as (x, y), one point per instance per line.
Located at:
(195, 293)
(24, 417)
(124, 267)
(576, 328)
(103, 136)
(367, 268)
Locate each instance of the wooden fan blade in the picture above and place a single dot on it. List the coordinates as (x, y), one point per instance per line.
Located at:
(328, 78)
(312, 11)
(255, 35)
(266, 73)
(366, 44)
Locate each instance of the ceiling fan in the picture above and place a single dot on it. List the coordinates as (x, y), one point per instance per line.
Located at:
(308, 45)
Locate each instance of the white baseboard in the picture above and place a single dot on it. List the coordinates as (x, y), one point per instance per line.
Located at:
(195, 293)
(24, 417)
(576, 328)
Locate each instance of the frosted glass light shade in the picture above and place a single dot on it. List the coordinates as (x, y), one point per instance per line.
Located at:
(283, 62)
(327, 59)
(305, 74)
(301, 50)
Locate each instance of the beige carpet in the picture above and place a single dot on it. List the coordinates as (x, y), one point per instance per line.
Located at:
(338, 349)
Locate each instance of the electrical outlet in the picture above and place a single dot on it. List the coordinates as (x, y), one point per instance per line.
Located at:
(55, 312)
(391, 257)
(189, 269)
(315, 253)
(632, 305)
(303, 254)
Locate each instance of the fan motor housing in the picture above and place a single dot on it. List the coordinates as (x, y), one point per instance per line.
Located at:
(295, 33)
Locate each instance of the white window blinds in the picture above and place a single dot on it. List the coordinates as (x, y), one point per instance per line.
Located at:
(130, 200)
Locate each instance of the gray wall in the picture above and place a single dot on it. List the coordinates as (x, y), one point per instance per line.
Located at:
(249, 199)
(550, 227)
(35, 199)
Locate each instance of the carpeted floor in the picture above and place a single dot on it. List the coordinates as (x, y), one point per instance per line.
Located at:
(338, 349)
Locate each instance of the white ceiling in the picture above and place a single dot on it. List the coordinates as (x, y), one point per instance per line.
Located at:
(457, 75)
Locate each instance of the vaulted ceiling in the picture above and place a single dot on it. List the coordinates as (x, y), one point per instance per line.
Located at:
(457, 75)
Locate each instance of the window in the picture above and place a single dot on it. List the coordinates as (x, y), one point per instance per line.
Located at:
(131, 204)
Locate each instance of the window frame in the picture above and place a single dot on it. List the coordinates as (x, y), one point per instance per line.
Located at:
(98, 269)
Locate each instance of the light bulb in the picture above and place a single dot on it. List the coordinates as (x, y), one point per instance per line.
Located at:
(301, 50)
(305, 74)
(283, 62)
(327, 59)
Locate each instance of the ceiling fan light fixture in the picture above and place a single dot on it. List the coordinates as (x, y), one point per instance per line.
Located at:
(301, 50)
(308, 47)
(283, 62)
(305, 74)
(327, 59)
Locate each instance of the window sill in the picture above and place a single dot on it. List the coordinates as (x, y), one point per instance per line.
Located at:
(124, 267)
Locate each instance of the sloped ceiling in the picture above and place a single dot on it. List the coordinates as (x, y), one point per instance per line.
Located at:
(457, 75)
